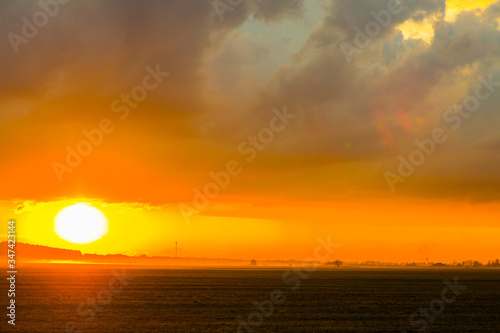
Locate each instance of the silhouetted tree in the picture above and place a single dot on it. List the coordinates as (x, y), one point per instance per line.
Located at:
(337, 263)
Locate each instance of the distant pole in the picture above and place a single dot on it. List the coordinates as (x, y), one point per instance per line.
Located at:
(176, 249)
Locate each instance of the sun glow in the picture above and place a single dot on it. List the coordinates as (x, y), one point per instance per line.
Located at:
(80, 224)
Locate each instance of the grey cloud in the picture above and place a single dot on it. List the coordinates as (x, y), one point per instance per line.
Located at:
(269, 11)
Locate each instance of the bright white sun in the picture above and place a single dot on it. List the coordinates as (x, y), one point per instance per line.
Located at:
(80, 224)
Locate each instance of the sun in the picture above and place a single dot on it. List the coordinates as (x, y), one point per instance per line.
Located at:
(80, 224)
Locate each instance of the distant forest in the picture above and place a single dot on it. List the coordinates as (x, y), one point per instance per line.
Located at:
(33, 253)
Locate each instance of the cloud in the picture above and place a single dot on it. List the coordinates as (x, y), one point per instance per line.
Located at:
(357, 116)
(270, 11)
(25, 206)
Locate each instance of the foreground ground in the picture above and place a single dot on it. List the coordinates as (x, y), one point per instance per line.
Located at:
(338, 300)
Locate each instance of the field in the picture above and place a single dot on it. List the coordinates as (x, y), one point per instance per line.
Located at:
(66, 298)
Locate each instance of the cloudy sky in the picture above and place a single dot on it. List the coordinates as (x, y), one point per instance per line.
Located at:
(375, 122)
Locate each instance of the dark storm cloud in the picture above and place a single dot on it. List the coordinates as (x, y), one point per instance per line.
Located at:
(107, 45)
(102, 47)
(339, 104)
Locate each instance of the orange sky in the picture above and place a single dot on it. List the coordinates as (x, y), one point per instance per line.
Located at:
(266, 97)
